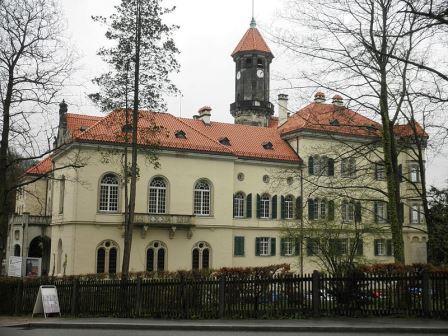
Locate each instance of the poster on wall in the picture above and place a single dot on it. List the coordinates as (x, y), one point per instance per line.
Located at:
(15, 267)
(33, 267)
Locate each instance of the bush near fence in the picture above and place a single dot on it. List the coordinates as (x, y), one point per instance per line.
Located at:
(240, 293)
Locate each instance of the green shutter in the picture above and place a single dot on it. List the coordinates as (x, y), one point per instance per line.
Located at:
(299, 208)
(257, 246)
(239, 246)
(310, 165)
(358, 212)
(258, 205)
(310, 247)
(273, 246)
(282, 246)
(375, 246)
(375, 211)
(297, 247)
(249, 206)
(389, 247)
(331, 210)
(330, 167)
(401, 213)
(233, 202)
(274, 214)
(310, 209)
(282, 207)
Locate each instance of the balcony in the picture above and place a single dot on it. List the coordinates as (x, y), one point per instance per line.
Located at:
(254, 105)
(164, 221)
(30, 220)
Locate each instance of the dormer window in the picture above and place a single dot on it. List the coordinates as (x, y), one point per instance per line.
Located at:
(268, 145)
(224, 141)
(127, 128)
(334, 122)
(180, 134)
(83, 128)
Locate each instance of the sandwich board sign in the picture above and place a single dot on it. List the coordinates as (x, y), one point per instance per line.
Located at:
(47, 301)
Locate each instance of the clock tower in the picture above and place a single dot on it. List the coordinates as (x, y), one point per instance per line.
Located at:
(252, 58)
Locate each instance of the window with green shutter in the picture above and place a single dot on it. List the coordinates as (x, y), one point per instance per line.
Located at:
(249, 206)
(238, 246)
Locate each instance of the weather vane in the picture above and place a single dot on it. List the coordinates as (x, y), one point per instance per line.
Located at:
(253, 24)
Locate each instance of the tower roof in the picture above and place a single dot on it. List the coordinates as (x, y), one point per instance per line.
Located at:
(252, 41)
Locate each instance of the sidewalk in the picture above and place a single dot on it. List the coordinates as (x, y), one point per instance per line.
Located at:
(348, 325)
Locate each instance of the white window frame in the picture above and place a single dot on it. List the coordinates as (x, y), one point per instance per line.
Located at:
(289, 207)
(289, 247)
(238, 203)
(109, 194)
(416, 213)
(347, 212)
(202, 198)
(381, 247)
(414, 172)
(265, 206)
(156, 246)
(201, 246)
(157, 196)
(265, 246)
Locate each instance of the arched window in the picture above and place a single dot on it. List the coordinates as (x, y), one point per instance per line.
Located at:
(157, 196)
(17, 250)
(201, 256)
(238, 205)
(289, 207)
(109, 193)
(265, 202)
(202, 192)
(107, 257)
(155, 257)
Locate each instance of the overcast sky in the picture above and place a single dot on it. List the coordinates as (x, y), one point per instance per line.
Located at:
(209, 32)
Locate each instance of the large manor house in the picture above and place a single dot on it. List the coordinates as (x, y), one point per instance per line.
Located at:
(222, 194)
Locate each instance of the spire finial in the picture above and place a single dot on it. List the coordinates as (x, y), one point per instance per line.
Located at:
(253, 24)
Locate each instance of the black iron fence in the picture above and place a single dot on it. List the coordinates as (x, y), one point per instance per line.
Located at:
(412, 294)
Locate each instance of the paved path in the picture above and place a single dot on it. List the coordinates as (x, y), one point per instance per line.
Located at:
(339, 325)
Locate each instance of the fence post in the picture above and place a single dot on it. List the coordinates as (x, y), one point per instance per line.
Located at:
(426, 294)
(138, 300)
(222, 296)
(315, 286)
(75, 293)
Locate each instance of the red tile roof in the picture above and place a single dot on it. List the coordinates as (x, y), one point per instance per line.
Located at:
(252, 41)
(41, 168)
(329, 118)
(77, 123)
(245, 141)
(408, 130)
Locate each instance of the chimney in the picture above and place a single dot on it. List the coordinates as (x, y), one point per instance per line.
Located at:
(282, 108)
(319, 97)
(205, 114)
(338, 101)
(62, 129)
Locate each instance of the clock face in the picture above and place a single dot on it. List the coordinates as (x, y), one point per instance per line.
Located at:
(260, 73)
(238, 75)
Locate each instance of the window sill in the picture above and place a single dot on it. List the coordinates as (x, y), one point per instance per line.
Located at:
(109, 213)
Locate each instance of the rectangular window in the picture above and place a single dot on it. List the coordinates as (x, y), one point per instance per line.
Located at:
(288, 247)
(238, 206)
(348, 167)
(380, 172)
(289, 208)
(265, 202)
(380, 212)
(348, 212)
(416, 213)
(383, 247)
(414, 172)
(238, 247)
(265, 244)
(312, 246)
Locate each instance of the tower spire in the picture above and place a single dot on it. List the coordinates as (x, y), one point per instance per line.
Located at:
(253, 23)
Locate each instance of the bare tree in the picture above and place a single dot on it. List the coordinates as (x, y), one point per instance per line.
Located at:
(33, 66)
(366, 48)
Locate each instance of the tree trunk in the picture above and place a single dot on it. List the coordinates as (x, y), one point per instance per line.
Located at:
(132, 194)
